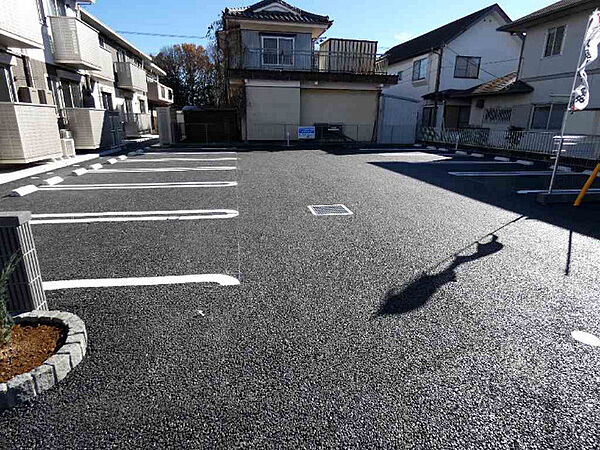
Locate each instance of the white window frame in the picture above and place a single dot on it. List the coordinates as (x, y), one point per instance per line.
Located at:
(279, 53)
(420, 64)
(468, 58)
(545, 105)
(6, 71)
(562, 44)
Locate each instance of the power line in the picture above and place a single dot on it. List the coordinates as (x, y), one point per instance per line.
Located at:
(163, 35)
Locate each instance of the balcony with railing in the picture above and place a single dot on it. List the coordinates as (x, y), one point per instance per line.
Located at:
(107, 69)
(20, 25)
(75, 43)
(130, 76)
(28, 133)
(159, 93)
(307, 61)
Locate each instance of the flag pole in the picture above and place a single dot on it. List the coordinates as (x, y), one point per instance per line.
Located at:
(569, 106)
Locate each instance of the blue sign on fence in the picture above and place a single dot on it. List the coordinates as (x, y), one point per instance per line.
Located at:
(306, 132)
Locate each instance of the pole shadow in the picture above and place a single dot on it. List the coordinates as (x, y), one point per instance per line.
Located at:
(417, 293)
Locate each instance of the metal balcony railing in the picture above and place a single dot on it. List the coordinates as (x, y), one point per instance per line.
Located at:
(309, 61)
(130, 76)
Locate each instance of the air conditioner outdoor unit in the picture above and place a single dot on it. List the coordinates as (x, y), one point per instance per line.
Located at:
(66, 134)
(68, 147)
(27, 95)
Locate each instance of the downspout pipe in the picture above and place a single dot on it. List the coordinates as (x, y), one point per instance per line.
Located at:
(438, 79)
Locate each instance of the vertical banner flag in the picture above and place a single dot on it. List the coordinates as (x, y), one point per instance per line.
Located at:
(590, 54)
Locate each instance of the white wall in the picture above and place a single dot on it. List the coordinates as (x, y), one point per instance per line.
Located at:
(484, 41)
(480, 40)
(552, 77)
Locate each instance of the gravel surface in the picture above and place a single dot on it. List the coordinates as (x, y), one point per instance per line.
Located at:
(389, 328)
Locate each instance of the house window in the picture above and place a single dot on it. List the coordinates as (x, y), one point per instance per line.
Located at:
(107, 101)
(548, 117)
(467, 67)
(400, 76)
(7, 86)
(429, 116)
(40, 10)
(419, 69)
(457, 116)
(277, 51)
(554, 41)
(57, 7)
(71, 94)
(101, 42)
(143, 107)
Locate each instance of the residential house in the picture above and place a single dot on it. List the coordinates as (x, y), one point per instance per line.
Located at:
(550, 55)
(280, 81)
(66, 80)
(457, 56)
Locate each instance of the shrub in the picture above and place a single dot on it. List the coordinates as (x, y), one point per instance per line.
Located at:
(6, 321)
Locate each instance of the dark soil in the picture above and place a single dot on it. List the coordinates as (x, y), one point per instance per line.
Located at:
(31, 346)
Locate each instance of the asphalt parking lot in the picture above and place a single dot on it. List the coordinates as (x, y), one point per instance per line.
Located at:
(438, 315)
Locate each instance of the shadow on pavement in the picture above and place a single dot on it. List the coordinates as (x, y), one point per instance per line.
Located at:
(417, 293)
(583, 220)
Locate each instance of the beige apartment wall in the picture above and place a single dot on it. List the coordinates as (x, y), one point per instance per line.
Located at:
(272, 109)
(357, 110)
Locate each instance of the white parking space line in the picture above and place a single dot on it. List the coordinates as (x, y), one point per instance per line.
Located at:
(469, 162)
(168, 169)
(98, 187)
(191, 153)
(556, 191)
(506, 174)
(135, 160)
(133, 216)
(223, 280)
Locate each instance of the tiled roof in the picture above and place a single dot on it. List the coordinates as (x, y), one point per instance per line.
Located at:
(438, 37)
(296, 15)
(562, 7)
(505, 85)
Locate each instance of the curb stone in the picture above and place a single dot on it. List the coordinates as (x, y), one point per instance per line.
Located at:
(26, 386)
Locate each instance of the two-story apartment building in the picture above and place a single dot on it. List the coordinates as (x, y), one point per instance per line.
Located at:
(65, 72)
(457, 56)
(281, 81)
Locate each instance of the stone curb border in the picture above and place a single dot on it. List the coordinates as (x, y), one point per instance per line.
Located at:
(26, 386)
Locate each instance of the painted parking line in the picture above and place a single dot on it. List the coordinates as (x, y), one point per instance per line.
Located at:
(178, 159)
(191, 153)
(99, 187)
(133, 216)
(168, 169)
(469, 162)
(556, 191)
(223, 280)
(507, 174)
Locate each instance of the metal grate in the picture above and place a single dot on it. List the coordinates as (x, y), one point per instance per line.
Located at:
(330, 210)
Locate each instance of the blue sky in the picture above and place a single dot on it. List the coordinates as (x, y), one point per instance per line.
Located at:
(389, 22)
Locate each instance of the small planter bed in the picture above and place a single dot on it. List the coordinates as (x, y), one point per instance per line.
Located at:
(45, 347)
(31, 345)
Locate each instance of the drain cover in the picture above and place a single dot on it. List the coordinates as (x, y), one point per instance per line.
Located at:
(330, 210)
